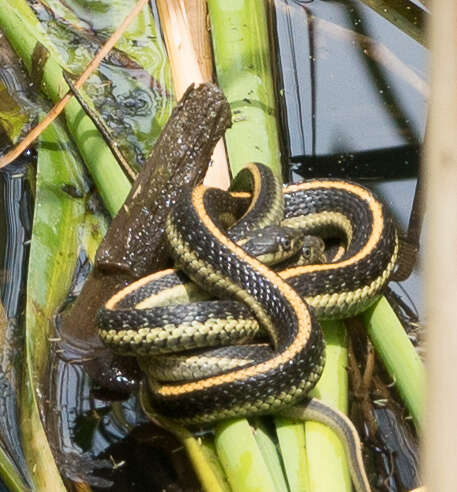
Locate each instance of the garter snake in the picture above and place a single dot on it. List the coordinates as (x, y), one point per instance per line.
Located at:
(285, 304)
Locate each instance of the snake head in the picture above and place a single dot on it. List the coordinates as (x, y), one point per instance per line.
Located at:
(274, 244)
(313, 251)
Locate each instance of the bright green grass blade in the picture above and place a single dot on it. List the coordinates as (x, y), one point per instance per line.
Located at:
(291, 437)
(201, 452)
(62, 226)
(241, 458)
(210, 456)
(241, 50)
(270, 455)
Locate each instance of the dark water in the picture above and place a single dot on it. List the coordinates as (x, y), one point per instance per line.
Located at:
(352, 86)
(353, 101)
(16, 210)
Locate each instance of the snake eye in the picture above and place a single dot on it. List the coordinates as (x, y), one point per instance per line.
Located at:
(286, 243)
(306, 252)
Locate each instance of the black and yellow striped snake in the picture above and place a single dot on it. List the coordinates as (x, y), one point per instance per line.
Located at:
(284, 306)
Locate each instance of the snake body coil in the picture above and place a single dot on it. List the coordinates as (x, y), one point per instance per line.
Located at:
(212, 260)
(255, 378)
(285, 304)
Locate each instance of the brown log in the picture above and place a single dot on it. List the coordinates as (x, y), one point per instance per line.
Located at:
(134, 244)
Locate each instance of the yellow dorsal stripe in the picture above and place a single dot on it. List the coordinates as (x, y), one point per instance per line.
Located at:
(112, 302)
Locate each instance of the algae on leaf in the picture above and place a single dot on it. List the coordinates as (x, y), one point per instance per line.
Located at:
(25, 33)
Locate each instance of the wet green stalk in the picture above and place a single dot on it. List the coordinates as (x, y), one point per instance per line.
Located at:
(241, 457)
(327, 462)
(201, 453)
(241, 50)
(61, 226)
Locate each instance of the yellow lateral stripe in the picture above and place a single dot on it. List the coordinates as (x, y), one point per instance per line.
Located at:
(320, 218)
(253, 169)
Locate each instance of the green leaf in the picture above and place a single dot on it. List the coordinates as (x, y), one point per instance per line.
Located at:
(201, 452)
(292, 441)
(327, 461)
(241, 458)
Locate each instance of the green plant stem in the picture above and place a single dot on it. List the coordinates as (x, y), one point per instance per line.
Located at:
(241, 51)
(241, 457)
(292, 442)
(270, 455)
(398, 356)
(242, 57)
(201, 453)
(327, 462)
(61, 226)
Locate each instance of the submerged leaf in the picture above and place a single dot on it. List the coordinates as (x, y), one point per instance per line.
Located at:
(62, 226)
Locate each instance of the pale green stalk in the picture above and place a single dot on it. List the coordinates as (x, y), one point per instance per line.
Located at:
(239, 32)
(241, 50)
(270, 455)
(241, 457)
(398, 356)
(292, 441)
(327, 461)
(201, 452)
(61, 226)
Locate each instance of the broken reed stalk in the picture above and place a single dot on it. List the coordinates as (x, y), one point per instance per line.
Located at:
(189, 50)
(440, 170)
